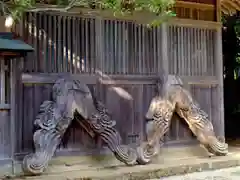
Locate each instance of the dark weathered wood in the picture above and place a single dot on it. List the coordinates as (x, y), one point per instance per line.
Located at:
(5, 136)
(50, 78)
(13, 83)
(54, 119)
(175, 98)
(219, 71)
(119, 60)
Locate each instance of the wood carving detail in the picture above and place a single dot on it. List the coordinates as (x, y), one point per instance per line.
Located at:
(72, 100)
(177, 99)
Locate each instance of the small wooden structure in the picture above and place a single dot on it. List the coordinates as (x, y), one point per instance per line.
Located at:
(11, 49)
(120, 59)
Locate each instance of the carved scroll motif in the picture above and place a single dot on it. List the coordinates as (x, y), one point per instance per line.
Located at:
(70, 97)
(177, 99)
(197, 120)
(103, 126)
(160, 112)
(45, 139)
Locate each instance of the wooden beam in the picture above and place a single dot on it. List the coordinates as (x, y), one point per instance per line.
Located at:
(225, 10)
(50, 78)
(193, 5)
(195, 23)
(231, 5)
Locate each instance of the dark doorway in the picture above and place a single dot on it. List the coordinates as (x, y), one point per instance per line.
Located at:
(231, 63)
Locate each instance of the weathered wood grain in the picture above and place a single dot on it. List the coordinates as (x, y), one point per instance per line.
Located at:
(120, 61)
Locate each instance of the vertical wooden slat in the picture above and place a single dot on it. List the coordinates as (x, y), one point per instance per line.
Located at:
(124, 48)
(198, 54)
(78, 46)
(171, 54)
(69, 47)
(143, 49)
(54, 37)
(164, 45)
(45, 43)
(137, 46)
(92, 59)
(175, 49)
(195, 57)
(29, 64)
(112, 28)
(99, 46)
(119, 47)
(40, 38)
(81, 45)
(65, 48)
(181, 52)
(50, 44)
(192, 59)
(212, 53)
(188, 50)
(205, 58)
(35, 41)
(74, 46)
(154, 36)
(3, 93)
(86, 59)
(108, 49)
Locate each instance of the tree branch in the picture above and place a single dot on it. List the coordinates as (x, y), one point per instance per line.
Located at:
(67, 8)
(4, 8)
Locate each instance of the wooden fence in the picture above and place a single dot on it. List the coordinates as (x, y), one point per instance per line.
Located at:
(129, 58)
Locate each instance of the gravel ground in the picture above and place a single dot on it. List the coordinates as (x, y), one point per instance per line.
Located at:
(222, 174)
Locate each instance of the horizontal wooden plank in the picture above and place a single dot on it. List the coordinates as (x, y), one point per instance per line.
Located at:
(195, 23)
(200, 80)
(50, 78)
(194, 5)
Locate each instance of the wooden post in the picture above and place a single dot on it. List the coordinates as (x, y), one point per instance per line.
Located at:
(164, 53)
(218, 10)
(99, 60)
(219, 73)
(13, 89)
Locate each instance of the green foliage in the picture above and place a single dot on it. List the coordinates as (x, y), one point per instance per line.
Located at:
(19, 6)
(62, 2)
(161, 8)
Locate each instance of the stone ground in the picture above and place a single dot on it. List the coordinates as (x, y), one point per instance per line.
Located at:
(171, 161)
(222, 174)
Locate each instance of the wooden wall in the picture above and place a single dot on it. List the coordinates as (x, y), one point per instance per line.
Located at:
(131, 55)
(197, 9)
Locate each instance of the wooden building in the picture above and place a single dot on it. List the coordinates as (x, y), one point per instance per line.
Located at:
(88, 46)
